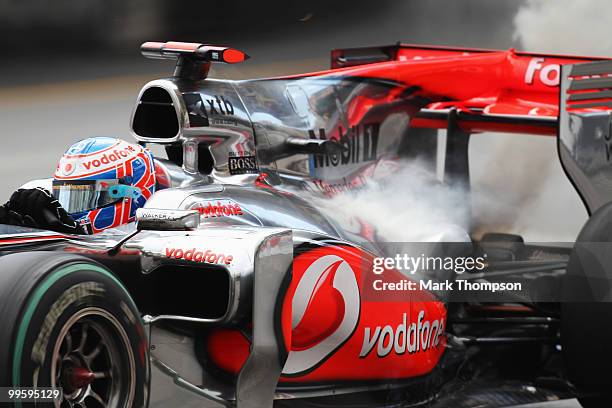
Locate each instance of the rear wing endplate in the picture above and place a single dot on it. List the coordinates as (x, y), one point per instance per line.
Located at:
(585, 130)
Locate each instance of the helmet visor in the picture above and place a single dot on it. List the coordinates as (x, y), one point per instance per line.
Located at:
(85, 195)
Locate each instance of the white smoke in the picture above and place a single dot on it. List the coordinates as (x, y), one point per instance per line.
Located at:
(517, 183)
(565, 26)
(404, 202)
(519, 187)
(531, 194)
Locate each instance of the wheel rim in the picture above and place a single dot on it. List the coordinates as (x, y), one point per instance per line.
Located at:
(93, 362)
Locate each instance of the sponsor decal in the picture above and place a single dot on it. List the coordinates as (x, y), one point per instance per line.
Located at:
(405, 337)
(218, 105)
(328, 277)
(159, 214)
(199, 109)
(109, 157)
(548, 74)
(223, 208)
(68, 168)
(331, 189)
(199, 255)
(359, 144)
(196, 109)
(74, 163)
(242, 164)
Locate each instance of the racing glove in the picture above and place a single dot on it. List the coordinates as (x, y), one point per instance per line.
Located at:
(37, 208)
(10, 217)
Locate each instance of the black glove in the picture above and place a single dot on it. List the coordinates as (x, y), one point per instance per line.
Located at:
(11, 217)
(39, 209)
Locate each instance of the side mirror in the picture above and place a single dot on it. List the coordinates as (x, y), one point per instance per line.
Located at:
(166, 220)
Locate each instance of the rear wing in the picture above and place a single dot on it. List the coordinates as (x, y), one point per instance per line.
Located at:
(491, 90)
(350, 57)
(585, 130)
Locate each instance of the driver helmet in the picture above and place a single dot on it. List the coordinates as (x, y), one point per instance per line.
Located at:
(102, 181)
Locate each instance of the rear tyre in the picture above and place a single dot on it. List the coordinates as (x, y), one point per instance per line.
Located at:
(586, 311)
(69, 323)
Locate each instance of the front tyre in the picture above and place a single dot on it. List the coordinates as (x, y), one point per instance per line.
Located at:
(73, 326)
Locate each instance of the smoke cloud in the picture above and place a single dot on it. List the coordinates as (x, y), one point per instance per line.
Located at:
(518, 185)
(403, 202)
(565, 26)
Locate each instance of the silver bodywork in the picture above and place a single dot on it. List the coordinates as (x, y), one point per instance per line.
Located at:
(254, 160)
(264, 256)
(263, 140)
(264, 114)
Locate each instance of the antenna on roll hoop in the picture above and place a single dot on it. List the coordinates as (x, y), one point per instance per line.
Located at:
(193, 59)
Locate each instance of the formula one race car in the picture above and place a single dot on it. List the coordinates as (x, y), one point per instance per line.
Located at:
(235, 289)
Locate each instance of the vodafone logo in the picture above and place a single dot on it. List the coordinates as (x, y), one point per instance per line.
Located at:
(68, 168)
(199, 255)
(78, 162)
(219, 209)
(109, 157)
(407, 336)
(327, 300)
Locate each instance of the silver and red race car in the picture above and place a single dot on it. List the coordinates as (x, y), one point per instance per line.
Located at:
(236, 289)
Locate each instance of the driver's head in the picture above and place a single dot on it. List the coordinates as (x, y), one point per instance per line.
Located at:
(102, 181)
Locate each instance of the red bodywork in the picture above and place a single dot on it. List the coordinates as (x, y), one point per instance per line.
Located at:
(394, 336)
(486, 90)
(505, 91)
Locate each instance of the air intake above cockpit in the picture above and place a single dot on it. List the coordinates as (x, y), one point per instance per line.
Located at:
(155, 116)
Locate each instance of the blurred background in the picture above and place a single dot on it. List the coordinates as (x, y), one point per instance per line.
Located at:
(72, 69)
